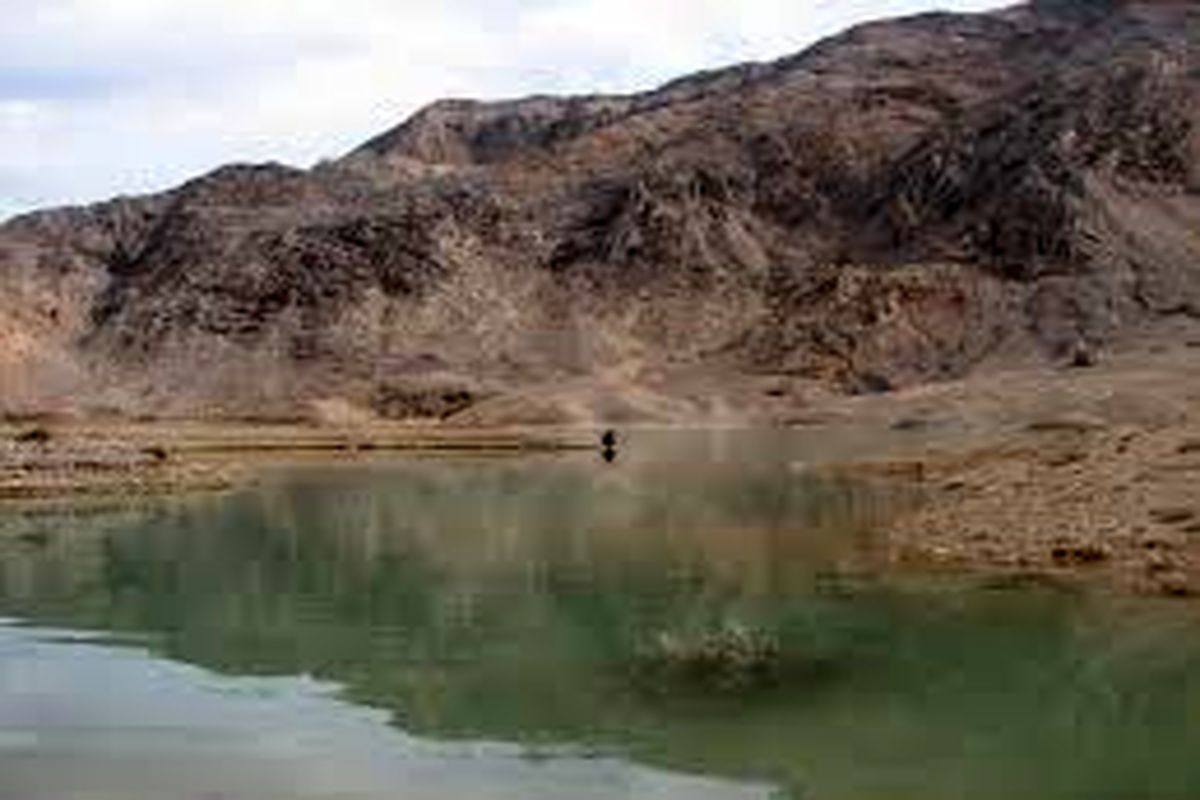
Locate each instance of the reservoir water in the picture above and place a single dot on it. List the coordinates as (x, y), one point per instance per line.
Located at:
(699, 619)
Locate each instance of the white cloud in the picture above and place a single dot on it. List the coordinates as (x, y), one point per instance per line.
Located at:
(100, 97)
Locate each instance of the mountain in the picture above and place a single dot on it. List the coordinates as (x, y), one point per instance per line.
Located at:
(906, 202)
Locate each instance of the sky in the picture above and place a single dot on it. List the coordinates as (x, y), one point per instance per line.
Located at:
(106, 97)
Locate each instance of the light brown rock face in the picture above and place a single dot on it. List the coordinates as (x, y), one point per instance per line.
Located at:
(895, 205)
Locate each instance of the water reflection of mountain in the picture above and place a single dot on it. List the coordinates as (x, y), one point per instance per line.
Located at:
(508, 600)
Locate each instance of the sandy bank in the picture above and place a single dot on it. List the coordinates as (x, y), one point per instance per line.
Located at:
(66, 458)
(1079, 477)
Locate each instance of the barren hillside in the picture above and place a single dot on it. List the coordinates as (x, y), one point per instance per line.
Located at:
(906, 202)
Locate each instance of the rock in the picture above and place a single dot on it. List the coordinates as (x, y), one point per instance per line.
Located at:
(1065, 424)
(1172, 516)
(1079, 555)
(38, 436)
(1084, 356)
(872, 383)
(1065, 459)
(157, 453)
(1154, 545)
(911, 424)
(1159, 563)
(1174, 586)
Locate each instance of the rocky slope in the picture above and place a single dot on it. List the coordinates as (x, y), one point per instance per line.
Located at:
(906, 202)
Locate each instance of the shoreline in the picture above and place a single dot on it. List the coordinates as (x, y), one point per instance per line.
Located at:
(88, 459)
(1113, 510)
(1079, 479)
(1088, 478)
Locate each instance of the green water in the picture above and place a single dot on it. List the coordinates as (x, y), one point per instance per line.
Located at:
(492, 629)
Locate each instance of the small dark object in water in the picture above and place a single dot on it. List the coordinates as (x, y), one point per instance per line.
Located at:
(37, 539)
(33, 436)
(608, 445)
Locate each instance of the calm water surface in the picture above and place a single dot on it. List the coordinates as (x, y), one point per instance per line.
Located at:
(460, 629)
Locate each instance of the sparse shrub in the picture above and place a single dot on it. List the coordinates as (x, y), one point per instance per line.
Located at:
(416, 402)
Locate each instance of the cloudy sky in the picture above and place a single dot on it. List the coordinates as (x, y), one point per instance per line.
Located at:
(102, 97)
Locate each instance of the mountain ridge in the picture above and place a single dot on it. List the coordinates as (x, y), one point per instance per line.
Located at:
(901, 203)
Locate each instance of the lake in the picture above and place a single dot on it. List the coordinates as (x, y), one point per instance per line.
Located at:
(699, 619)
